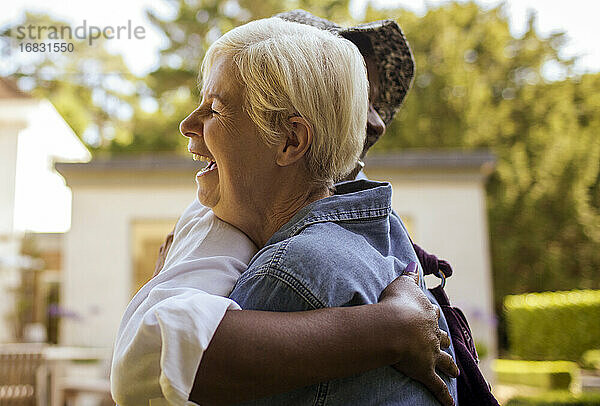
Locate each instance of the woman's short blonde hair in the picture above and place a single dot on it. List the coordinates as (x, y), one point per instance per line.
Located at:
(291, 69)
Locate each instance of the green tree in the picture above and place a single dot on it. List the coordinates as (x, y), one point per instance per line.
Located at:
(89, 86)
(477, 86)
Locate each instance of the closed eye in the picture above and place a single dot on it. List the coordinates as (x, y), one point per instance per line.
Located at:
(207, 111)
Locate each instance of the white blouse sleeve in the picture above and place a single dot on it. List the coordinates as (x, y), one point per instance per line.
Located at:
(169, 323)
(159, 348)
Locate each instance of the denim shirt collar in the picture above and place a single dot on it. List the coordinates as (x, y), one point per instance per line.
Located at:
(353, 200)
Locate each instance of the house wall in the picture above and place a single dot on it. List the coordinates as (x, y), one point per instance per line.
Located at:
(8, 165)
(11, 122)
(97, 279)
(14, 117)
(47, 138)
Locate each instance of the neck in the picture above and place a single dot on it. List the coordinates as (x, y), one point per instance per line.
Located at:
(285, 208)
(282, 205)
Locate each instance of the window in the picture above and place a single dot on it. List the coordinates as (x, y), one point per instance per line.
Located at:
(147, 236)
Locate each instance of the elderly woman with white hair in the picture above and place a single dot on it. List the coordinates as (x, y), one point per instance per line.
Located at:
(281, 120)
(263, 128)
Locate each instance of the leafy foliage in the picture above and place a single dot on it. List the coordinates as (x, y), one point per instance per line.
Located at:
(553, 325)
(591, 360)
(90, 87)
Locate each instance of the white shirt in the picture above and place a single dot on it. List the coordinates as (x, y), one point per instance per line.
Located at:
(169, 323)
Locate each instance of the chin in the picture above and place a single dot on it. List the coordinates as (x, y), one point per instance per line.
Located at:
(206, 199)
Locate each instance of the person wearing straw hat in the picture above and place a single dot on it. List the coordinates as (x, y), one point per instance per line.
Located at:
(154, 319)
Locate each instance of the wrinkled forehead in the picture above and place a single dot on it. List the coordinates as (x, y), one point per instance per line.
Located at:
(220, 79)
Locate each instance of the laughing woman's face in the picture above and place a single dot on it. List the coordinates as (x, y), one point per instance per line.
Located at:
(221, 133)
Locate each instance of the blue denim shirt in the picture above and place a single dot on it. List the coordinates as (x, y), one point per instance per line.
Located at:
(339, 251)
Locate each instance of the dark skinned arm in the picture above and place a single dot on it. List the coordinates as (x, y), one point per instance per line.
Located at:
(254, 354)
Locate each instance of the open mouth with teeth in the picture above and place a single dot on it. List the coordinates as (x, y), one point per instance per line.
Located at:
(210, 166)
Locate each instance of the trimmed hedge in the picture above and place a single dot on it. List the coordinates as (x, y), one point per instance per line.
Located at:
(590, 360)
(543, 374)
(553, 325)
(562, 398)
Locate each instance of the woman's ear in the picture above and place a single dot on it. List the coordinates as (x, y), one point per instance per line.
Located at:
(296, 142)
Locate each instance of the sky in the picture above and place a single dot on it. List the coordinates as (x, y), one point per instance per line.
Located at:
(577, 17)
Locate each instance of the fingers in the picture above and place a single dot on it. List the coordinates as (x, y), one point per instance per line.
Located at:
(439, 389)
(446, 365)
(412, 272)
(444, 339)
(392, 289)
(412, 276)
(162, 253)
(398, 287)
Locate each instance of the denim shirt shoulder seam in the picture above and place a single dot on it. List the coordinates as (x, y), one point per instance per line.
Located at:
(287, 278)
(346, 215)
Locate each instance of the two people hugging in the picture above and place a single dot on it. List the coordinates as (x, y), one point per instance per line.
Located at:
(286, 227)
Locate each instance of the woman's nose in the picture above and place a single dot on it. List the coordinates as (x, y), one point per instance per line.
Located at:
(191, 125)
(375, 125)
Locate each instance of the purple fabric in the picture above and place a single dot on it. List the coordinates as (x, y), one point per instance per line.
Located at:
(431, 264)
(471, 385)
